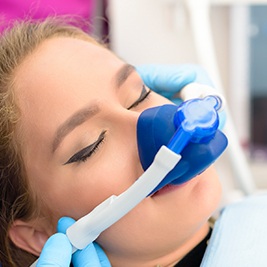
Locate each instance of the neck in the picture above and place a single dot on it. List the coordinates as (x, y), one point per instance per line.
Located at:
(171, 258)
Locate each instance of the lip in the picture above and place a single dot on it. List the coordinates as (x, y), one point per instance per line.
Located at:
(170, 188)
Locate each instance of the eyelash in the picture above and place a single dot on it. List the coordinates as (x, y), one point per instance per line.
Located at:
(88, 151)
(144, 95)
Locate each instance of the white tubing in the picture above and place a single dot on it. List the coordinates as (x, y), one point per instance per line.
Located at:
(199, 12)
(89, 227)
(196, 90)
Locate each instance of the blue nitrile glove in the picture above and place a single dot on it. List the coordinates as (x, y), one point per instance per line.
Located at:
(57, 251)
(168, 80)
(92, 256)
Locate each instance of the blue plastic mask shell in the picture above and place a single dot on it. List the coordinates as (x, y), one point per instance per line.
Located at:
(155, 127)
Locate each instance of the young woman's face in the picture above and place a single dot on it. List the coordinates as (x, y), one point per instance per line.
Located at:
(79, 105)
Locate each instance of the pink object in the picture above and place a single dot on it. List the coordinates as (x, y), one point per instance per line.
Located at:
(36, 9)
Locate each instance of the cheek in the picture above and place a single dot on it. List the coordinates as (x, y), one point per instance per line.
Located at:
(208, 192)
(75, 193)
(157, 100)
(170, 220)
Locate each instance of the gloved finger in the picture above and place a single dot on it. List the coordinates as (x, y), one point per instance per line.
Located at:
(168, 78)
(86, 257)
(56, 252)
(64, 223)
(102, 256)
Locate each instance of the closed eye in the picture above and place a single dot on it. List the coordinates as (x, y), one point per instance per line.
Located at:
(88, 151)
(144, 94)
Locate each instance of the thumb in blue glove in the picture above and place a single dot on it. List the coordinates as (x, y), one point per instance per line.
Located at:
(57, 251)
(92, 256)
(168, 80)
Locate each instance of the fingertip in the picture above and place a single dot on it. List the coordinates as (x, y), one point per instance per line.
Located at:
(103, 258)
(58, 238)
(182, 78)
(64, 223)
(86, 257)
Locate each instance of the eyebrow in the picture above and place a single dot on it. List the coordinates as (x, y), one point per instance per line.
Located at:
(71, 123)
(123, 73)
(82, 115)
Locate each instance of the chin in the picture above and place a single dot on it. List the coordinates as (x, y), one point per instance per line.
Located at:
(208, 190)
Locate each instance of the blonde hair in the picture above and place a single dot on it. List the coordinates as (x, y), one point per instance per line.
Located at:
(17, 200)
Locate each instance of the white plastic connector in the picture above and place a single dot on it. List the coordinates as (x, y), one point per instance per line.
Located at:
(196, 90)
(88, 228)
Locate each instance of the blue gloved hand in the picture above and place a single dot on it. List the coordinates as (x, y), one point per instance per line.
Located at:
(92, 256)
(57, 251)
(168, 80)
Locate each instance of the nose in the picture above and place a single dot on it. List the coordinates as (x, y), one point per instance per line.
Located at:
(124, 123)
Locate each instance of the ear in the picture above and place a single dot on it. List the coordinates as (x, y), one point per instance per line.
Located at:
(28, 236)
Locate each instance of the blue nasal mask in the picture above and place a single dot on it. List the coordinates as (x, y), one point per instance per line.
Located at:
(190, 130)
(175, 144)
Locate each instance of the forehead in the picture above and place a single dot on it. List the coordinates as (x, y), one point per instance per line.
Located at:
(64, 65)
(62, 55)
(62, 75)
